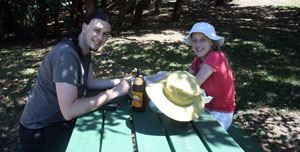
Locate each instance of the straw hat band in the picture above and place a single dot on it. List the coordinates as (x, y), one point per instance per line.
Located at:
(181, 88)
(179, 97)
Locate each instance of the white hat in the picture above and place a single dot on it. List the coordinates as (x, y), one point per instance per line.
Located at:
(178, 96)
(207, 29)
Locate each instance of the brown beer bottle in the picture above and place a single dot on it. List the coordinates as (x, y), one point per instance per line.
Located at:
(138, 92)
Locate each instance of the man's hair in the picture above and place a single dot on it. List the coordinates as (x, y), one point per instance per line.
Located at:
(97, 15)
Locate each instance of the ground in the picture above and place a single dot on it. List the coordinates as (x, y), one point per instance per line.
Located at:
(265, 2)
(282, 125)
(274, 130)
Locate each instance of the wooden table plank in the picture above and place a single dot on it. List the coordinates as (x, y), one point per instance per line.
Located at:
(117, 128)
(112, 131)
(149, 132)
(213, 135)
(182, 136)
(91, 125)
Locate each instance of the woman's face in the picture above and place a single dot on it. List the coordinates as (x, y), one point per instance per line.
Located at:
(201, 44)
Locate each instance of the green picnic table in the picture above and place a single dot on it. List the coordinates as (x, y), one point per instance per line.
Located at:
(125, 130)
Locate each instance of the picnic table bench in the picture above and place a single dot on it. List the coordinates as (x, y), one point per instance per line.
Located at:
(125, 130)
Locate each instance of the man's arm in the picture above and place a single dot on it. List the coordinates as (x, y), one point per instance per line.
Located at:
(96, 83)
(72, 107)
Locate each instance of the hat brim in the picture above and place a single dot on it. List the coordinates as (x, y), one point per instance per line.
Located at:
(176, 112)
(188, 39)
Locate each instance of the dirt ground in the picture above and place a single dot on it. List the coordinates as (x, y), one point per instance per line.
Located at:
(243, 3)
(275, 130)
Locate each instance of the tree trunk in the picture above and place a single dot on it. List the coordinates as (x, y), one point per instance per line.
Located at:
(157, 3)
(55, 14)
(76, 13)
(121, 15)
(5, 18)
(176, 12)
(220, 2)
(142, 4)
(112, 5)
(40, 30)
(103, 4)
(91, 7)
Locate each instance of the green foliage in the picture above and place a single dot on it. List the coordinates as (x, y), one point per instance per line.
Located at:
(29, 16)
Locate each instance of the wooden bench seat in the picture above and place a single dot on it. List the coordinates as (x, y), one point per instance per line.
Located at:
(243, 139)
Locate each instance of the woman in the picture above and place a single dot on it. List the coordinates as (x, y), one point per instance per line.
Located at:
(212, 71)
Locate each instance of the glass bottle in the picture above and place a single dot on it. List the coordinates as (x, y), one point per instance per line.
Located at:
(138, 92)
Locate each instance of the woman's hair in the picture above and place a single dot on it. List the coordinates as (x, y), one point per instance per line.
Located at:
(216, 46)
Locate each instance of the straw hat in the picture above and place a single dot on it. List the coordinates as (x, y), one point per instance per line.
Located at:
(177, 95)
(207, 29)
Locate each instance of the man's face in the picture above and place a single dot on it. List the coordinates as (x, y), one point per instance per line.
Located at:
(96, 34)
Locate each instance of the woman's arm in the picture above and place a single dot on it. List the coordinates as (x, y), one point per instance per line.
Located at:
(191, 71)
(204, 73)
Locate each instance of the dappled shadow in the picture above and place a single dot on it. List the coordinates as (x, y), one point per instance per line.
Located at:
(261, 44)
(19, 64)
(134, 55)
(272, 127)
(212, 134)
(103, 125)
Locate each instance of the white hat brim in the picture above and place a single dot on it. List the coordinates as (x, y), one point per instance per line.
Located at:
(179, 113)
(188, 39)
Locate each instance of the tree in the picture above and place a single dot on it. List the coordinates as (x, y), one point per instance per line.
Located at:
(91, 6)
(157, 3)
(142, 4)
(5, 18)
(176, 11)
(76, 13)
(220, 2)
(127, 8)
(103, 4)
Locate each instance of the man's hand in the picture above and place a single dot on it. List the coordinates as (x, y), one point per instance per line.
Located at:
(128, 79)
(122, 88)
(72, 107)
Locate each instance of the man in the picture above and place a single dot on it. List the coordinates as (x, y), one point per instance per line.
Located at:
(56, 98)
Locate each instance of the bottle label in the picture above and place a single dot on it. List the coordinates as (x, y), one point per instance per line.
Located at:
(138, 81)
(137, 99)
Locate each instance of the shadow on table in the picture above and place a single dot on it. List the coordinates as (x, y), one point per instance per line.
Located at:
(153, 124)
